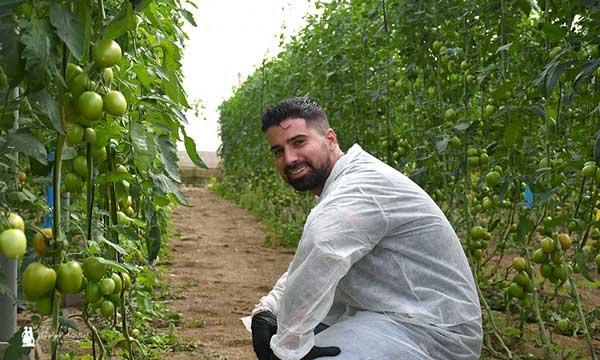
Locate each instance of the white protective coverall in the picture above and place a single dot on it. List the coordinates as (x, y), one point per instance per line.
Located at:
(380, 264)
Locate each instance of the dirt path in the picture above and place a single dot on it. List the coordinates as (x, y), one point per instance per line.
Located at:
(219, 269)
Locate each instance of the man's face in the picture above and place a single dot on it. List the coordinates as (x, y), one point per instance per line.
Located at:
(302, 154)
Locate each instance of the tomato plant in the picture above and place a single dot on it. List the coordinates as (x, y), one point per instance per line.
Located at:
(60, 61)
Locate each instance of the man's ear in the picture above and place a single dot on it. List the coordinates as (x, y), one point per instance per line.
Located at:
(331, 137)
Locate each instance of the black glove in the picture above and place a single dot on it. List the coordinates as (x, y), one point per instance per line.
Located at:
(264, 326)
(316, 352)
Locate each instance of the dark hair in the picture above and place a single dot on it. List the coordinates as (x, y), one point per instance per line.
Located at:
(296, 107)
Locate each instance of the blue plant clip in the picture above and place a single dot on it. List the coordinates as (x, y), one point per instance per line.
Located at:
(528, 197)
(48, 221)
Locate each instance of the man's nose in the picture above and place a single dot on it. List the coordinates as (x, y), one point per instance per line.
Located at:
(290, 156)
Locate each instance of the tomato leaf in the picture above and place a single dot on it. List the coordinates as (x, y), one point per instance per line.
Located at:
(553, 75)
(36, 53)
(67, 322)
(46, 106)
(139, 139)
(188, 16)
(122, 22)
(190, 147)
(581, 261)
(84, 13)
(29, 145)
(154, 237)
(120, 267)
(140, 5)
(68, 28)
(586, 71)
(168, 186)
(168, 155)
(117, 247)
(11, 54)
(504, 47)
(15, 349)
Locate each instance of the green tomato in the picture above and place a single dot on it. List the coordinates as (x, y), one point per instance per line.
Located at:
(115, 103)
(515, 291)
(73, 183)
(93, 269)
(37, 280)
(106, 53)
(89, 105)
(43, 305)
(449, 114)
(80, 166)
(473, 161)
(70, 277)
(80, 83)
(89, 135)
(75, 135)
(539, 256)
(562, 325)
(13, 243)
(72, 71)
(547, 245)
(118, 283)
(16, 222)
(519, 263)
(107, 308)
(477, 232)
(100, 154)
(92, 292)
(107, 286)
(107, 75)
(589, 170)
(126, 281)
(492, 178)
(522, 278)
(546, 270)
(122, 219)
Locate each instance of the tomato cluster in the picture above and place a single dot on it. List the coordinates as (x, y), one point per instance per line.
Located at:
(103, 289)
(90, 96)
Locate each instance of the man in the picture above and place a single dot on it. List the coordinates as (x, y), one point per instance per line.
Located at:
(378, 267)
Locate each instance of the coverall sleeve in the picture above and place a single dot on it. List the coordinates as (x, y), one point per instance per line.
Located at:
(338, 233)
(272, 300)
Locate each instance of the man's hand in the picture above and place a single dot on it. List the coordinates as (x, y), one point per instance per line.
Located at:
(264, 326)
(316, 352)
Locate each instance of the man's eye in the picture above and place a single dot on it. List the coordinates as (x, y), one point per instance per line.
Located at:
(299, 142)
(277, 153)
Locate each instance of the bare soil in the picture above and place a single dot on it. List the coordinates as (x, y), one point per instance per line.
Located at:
(219, 269)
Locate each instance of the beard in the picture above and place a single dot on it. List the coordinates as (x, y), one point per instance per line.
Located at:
(315, 176)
